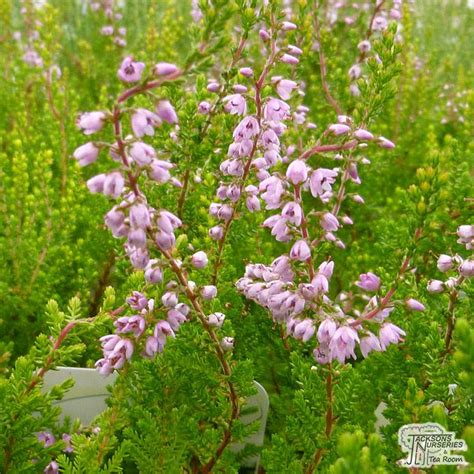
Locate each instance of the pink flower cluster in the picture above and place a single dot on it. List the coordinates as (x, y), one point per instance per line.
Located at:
(383, 14)
(459, 268)
(308, 313)
(146, 229)
(30, 42)
(256, 137)
(295, 291)
(143, 330)
(112, 17)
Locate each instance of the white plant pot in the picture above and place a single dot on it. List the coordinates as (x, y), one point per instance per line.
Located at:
(87, 398)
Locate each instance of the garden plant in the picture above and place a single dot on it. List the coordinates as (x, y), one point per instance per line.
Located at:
(199, 194)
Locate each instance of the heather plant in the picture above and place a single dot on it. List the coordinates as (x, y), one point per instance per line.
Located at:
(196, 195)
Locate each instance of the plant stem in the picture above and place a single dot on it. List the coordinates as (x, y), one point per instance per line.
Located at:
(259, 113)
(451, 320)
(329, 423)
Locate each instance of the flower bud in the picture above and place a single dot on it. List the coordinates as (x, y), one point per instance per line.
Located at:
(165, 69)
(246, 71)
(216, 319)
(414, 305)
(435, 286)
(216, 232)
(169, 299)
(86, 154)
(467, 268)
(209, 292)
(199, 259)
(297, 172)
(227, 344)
(445, 263)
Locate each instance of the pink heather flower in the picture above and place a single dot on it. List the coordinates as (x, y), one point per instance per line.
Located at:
(235, 104)
(144, 122)
(114, 220)
(52, 468)
(385, 143)
(326, 269)
(216, 319)
(96, 183)
(168, 222)
(204, 107)
(322, 354)
(32, 58)
(285, 87)
(199, 259)
(46, 438)
(379, 23)
(246, 71)
(239, 88)
(364, 46)
(175, 318)
(414, 305)
(339, 128)
(216, 232)
(104, 367)
(166, 112)
(326, 331)
(395, 14)
(368, 282)
(86, 154)
(321, 181)
(153, 273)
(390, 334)
(343, 343)
(297, 172)
(362, 134)
(292, 212)
(107, 30)
(159, 171)
(294, 50)
(140, 216)
(227, 344)
(358, 199)
(209, 292)
(142, 153)
(289, 59)
(67, 438)
(246, 129)
(288, 26)
(304, 330)
(467, 268)
(169, 299)
(276, 110)
(137, 238)
(165, 69)
(329, 222)
(213, 86)
(369, 343)
(130, 71)
(466, 236)
(137, 301)
(252, 203)
(445, 263)
(113, 184)
(355, 72)
(91, 122)
(165, 240)
(300, 251)
(435, 286)
(264, 35)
